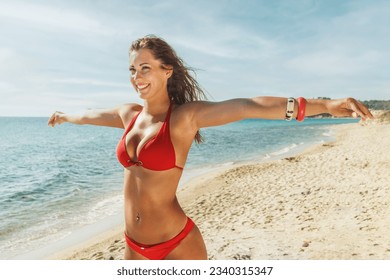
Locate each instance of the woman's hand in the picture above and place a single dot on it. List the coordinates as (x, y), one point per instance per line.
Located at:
(348, 107)
(56, 118)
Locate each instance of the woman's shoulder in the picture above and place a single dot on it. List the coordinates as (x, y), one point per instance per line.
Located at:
(190, 110)
(184, 115)
(129, 110)
(131, 107)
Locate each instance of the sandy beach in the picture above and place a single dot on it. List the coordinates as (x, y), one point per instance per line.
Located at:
(330, 202)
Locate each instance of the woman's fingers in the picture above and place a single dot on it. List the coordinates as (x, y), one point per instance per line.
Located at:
(54, 119)
(359, 109)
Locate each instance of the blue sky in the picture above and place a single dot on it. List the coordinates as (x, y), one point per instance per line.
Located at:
(73, 55)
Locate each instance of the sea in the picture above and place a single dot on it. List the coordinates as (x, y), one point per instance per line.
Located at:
(59, 186)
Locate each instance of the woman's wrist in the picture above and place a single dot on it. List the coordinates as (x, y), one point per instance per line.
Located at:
(317, 106)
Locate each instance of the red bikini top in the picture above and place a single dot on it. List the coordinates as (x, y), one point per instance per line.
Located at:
(156, 154)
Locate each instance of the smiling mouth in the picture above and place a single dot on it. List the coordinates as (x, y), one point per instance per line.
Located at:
(143, 86)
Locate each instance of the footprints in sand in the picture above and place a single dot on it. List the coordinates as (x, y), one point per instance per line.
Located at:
(113, 252)
(292, 159)
(241, 257)
(328, 145)
(98, 256)
(268, 219)
(370, 212)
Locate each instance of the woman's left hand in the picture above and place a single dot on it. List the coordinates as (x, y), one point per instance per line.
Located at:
(348, 107)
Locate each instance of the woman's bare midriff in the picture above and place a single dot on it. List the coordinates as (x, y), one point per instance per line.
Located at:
(152, 212)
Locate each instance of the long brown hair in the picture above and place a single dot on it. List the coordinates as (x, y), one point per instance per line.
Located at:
(182, 87)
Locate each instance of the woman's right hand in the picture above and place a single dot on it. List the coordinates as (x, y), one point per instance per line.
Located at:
(56, 118)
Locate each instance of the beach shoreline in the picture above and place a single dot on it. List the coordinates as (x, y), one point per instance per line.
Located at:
(328, 202)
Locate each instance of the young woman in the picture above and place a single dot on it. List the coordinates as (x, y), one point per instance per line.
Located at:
(158, 136)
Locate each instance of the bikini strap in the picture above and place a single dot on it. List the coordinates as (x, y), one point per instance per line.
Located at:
(166, 123)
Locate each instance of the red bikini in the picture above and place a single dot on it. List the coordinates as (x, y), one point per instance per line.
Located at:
(161, 250)
(156, 154)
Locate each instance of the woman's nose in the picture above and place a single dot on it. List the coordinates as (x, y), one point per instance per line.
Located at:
(136, 75)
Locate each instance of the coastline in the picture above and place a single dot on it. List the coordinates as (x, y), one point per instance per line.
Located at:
(329, 202)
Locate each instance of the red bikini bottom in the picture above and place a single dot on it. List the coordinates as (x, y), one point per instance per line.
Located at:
(161, 250)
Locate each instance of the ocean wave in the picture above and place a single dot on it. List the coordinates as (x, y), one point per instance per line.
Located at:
(284, 150)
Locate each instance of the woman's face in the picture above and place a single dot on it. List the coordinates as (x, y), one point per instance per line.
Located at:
(147, 76)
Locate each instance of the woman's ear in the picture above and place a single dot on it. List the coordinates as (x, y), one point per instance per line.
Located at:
(168, 73)
(168, 70)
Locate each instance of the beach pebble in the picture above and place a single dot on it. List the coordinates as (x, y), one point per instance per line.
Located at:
(305, 244)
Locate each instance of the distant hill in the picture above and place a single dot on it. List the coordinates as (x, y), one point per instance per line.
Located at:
(377, 104)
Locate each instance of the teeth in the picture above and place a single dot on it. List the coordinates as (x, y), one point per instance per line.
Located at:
(142, 86)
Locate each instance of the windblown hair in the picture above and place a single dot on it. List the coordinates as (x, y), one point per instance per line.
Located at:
(182, 87)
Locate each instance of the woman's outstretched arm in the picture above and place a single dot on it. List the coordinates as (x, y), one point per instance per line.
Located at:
(103, 117)
(205, 114)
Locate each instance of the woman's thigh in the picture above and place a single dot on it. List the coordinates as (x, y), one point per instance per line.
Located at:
(192, 247)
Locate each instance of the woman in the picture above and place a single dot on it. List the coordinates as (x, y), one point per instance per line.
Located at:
(158, 137)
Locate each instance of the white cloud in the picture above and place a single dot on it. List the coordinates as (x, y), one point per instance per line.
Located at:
(11, 61)
(6, 87)
(90, 82)
(51, 17)
(328, 63)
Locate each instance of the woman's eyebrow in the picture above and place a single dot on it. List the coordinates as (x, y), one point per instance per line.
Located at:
(132, 66)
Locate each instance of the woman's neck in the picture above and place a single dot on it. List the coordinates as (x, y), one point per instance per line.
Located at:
(156, 108)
